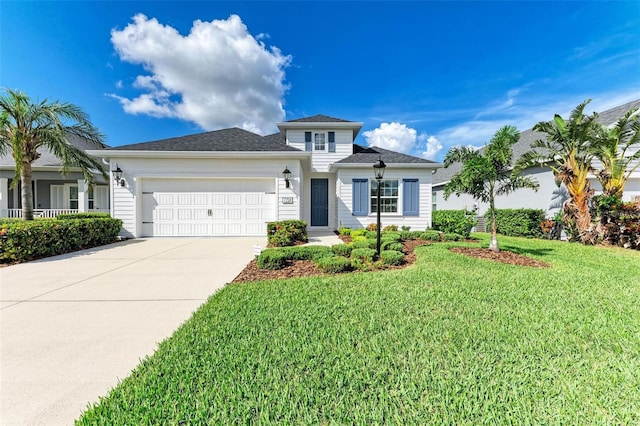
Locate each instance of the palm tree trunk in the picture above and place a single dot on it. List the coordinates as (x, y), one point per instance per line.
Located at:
(27, 193)
(493, 245)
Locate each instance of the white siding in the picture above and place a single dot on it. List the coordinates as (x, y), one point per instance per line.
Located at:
(127, 201)
(344, 189)
(322, 159)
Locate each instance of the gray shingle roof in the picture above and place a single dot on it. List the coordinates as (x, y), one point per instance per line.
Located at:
(233, 139)
(319, 119)
(369, 155)
(607, 118)
(47, 159)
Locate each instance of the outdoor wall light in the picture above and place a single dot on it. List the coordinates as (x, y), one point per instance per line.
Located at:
(286, 174)
(117, 176)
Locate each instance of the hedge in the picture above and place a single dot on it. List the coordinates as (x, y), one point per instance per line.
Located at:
(83, 215)
(22, 241)
(453, 222)
(286, 232)
(518, 222)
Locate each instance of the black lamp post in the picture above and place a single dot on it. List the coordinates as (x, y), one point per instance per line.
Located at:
(378, 169)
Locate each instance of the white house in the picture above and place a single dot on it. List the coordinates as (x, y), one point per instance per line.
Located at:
(549, 197)
(52, 192)
(232, 182)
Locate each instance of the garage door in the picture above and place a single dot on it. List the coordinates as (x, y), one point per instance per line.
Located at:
(207, 207)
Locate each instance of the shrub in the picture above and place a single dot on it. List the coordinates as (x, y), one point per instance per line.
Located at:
(306, 252)
(83, 215)
(334, 264)
(518, 222)
(453, 221)
(391, 245)
(365, 254)
(372, 227)
(272, 259)
(391, 236)
(360, 244)
(371, 234)
(342, 249)
(392, 257)
(410, 235)
(345, 231)
(286, 232)
(27, 240)
(373, 242)
(358, 233)
(431, 235)
(390, 228)
(452, 237)
(405, 228)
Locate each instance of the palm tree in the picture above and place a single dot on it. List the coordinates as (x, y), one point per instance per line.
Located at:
(568, 150)
(487, 174)
(613, 150)
(27, 126)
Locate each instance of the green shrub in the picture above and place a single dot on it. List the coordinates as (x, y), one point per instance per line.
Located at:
(21, 241)
(410, 235)
(371, 234)
(390, 228)
(392, 257)
(431, 235)
(391, 236)
(453, 221)
(83, 215)
(452, 237)
(306, 252)
(360, 243)
(342, 249)
(286, 232)
(334, 264)
(405, 228)
(272, 259)
(518, 222)
(391, 245)
(358, 233)
(345, 231)
(365, 254)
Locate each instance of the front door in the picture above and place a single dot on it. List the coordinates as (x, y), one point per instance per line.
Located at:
(319, 202)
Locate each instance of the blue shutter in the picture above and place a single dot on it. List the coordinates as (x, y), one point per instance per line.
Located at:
(360, 197)
(307, 141)
(411, 197)
(332, 141)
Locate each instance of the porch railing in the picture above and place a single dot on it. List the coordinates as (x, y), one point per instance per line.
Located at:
(17, 213)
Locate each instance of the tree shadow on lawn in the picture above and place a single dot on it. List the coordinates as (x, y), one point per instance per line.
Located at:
(527, 251)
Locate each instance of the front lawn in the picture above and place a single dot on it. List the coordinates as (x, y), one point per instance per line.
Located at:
(450, 340)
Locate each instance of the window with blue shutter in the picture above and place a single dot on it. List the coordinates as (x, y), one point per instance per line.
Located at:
(360, 197)
(307, 141)
(410, 197)
(332, 141)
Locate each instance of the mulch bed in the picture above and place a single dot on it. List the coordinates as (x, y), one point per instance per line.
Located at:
(501, 256)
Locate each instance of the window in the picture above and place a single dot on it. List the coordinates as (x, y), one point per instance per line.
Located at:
(388, 196)
(319, 144)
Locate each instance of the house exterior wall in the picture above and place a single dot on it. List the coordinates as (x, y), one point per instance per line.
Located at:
(344, 192)
(127, 200)
(321, 160)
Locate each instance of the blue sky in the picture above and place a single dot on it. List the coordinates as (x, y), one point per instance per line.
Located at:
(422, 76)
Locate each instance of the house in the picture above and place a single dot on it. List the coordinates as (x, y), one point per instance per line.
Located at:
(549, 197)
(53, 193)
(232, 181)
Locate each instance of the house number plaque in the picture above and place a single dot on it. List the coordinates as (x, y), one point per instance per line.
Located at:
(287, 200)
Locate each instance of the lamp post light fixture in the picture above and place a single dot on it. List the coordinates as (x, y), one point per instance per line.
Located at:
(286, 174)
(378, 169)
(117, 176)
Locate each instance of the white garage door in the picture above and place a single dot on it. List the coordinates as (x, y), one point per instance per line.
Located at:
(199, 207)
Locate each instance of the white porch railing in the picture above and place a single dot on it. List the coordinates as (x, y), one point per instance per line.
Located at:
(17, 213)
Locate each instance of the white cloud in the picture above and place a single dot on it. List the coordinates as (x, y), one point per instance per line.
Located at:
(217, 76)
(118, 84)
(401, 138)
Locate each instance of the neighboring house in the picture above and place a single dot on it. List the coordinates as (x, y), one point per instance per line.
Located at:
(231, 181)
(52, 193)
(549, 197)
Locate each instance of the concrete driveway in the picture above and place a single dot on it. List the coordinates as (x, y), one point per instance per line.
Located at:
(72, 326)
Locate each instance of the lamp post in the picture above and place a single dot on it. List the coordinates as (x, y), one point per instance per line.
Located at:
(378, 169)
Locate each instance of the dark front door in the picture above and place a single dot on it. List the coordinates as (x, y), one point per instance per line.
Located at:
(319, 202)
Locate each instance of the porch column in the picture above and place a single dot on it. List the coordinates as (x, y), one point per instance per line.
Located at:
(83, 196)
(4, 197)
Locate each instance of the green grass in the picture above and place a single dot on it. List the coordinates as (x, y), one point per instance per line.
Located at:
(449, 340)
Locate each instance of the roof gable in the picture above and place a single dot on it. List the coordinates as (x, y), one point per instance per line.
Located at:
(319, 118)
(369, 155)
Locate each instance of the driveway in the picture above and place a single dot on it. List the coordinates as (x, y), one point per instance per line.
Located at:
(72, 326)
